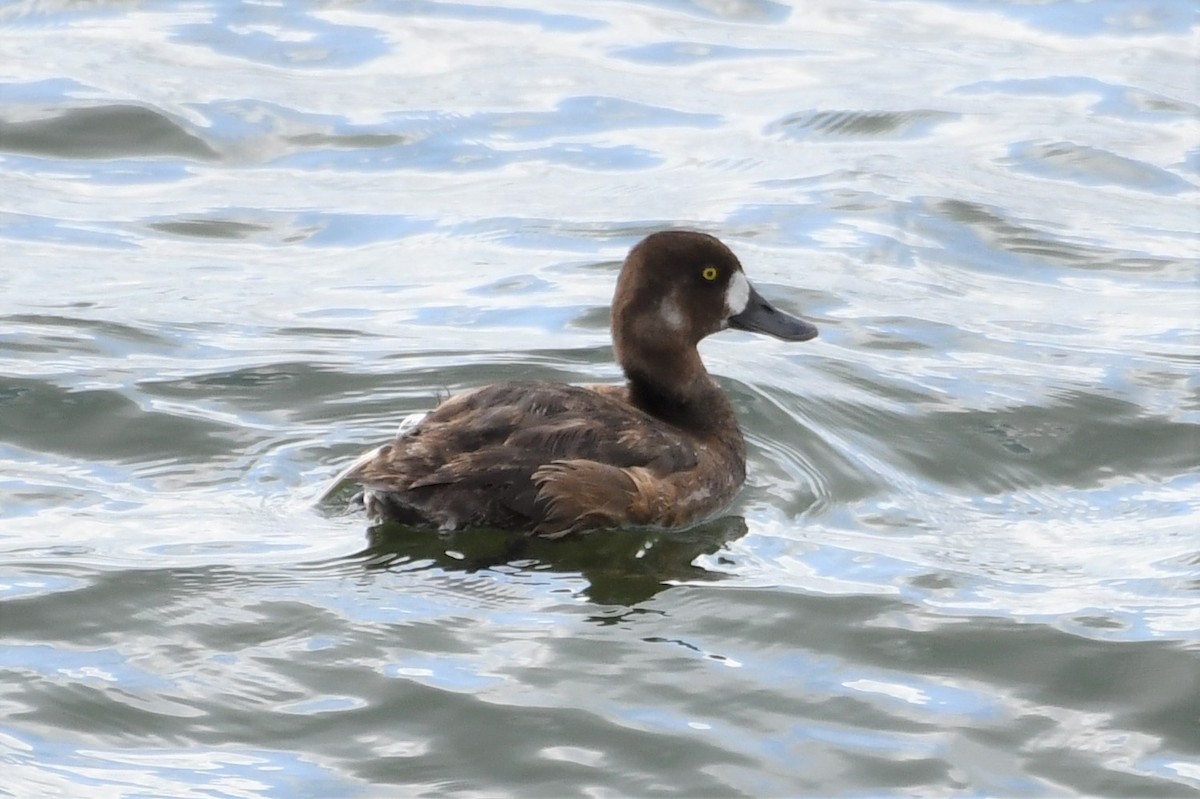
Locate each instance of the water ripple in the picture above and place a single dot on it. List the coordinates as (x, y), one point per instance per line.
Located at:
(240, 242)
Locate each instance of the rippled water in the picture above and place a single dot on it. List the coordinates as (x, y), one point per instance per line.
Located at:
(241, 241)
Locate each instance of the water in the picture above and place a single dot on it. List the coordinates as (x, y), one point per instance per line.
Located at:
(241, 241)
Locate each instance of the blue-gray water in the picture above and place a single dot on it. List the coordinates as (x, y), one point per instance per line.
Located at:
(241, 241)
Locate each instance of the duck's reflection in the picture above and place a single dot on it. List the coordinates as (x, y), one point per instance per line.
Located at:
(621, 567)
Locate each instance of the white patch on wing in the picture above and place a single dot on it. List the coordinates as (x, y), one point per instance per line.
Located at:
(737, 294)
(671, 313)
(409, 423)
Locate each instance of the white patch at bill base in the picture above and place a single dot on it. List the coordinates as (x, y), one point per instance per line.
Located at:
(737, 293)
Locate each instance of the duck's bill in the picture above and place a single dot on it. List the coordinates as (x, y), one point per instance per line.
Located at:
(760, 316)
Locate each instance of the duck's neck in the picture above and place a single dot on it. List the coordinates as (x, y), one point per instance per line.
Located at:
(675, 387)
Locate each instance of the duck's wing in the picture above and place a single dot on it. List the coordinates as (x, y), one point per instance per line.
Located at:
(508, 455)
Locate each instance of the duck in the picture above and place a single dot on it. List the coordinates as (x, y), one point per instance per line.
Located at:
(662, 449)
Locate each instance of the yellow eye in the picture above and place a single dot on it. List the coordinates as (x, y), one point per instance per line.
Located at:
(709, 273)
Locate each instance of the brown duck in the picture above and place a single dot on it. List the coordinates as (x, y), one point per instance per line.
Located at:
(551, 458)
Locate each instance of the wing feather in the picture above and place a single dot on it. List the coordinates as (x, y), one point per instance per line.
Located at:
(538, 452)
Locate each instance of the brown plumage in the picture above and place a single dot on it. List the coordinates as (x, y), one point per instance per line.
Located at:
(551, 458)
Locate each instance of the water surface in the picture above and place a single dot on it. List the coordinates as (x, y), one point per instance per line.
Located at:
(242, 241)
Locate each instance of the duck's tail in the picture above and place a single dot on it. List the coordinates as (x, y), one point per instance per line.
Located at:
(348, 474)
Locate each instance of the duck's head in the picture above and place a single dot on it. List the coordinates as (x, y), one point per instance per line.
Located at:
(678, 286)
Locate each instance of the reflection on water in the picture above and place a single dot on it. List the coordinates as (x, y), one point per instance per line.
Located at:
(620, 567)
(242, 241)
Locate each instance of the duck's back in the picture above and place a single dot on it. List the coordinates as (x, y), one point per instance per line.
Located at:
(548, 458)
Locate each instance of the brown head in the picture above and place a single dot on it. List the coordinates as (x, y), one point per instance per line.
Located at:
(675, 288)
